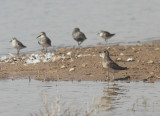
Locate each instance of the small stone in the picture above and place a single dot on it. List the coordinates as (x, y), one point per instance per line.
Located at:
(156, 49)
(119, 59)
(71, 69)
(11, 60)
(121, 54)
(108, 48)
(151, 73)
(69, 53)
(63, 66)
(84, 65)
(150, 62)
(130, 59)
(58, 58)
(133, 48)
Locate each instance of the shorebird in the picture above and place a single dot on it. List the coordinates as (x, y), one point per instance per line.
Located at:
(105, 35)
(44, 41)
(78, 36)
(110, 65)
(17, 44)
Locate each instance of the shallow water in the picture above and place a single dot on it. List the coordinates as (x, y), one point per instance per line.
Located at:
(131, 20)
(21, 97)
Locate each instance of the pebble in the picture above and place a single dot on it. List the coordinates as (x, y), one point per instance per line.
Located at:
(130, 59)
(119, 59)
(150, 62)
(121, 54)
(69, 53)
(84, 65)
(156, 49)
(151, 73)
(71, 69)
(58, 58)
(63, 66)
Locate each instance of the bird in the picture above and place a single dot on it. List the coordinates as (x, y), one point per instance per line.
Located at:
(17, 44)
(44, 41)
(105, 35)
(78, 36)
(110, 65)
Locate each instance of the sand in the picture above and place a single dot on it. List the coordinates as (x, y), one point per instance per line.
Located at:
(84, 64)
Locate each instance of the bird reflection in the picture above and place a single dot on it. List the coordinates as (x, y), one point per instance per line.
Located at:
(111, 97)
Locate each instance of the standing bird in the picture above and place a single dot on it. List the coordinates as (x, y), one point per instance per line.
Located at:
(44, 41)
(105, 35)
(110, 65)
(17, 45)
(78, 36)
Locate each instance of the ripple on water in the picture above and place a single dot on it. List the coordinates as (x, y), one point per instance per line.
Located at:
(21, 97)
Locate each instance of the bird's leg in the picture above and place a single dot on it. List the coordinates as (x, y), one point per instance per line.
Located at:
(106, 40)
(46, 49)
(113, 76)
(108, 77)
(79, 43)
(18, 52)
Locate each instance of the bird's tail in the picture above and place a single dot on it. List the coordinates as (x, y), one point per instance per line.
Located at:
(124, 68)
(113, 34)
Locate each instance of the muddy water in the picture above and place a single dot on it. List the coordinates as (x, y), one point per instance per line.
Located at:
(21, 97)
(131, 20)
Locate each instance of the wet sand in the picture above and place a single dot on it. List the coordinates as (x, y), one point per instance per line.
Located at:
(85, 64)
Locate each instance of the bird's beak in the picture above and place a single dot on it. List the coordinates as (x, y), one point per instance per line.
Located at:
(10, 41)
(97, 33)
(38, 36)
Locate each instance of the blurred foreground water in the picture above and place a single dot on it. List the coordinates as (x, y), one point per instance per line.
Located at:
(21, 97)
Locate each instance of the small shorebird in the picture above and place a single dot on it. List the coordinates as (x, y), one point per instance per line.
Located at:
(17, 45)
(44, 41)
(78, 36)
(110, 65)
(105, 35)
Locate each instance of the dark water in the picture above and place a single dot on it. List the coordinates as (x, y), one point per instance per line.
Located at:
(131, 20)
(20, 98)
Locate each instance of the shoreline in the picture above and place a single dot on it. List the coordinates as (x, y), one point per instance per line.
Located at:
(84, 64)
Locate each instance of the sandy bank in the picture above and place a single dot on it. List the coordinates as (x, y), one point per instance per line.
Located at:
(85, 64)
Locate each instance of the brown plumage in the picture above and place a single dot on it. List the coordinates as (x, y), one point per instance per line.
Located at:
(105, 35)
(17, 45)
(109, 64)
(78, 36)
(44, 41)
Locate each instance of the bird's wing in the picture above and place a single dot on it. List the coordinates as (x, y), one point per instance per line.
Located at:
(115, 66)
(107, 33)
(20, 44)
(48, 41)
(80, 35)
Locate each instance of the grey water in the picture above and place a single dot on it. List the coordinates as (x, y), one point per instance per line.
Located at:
(131, 20)
(21, 97)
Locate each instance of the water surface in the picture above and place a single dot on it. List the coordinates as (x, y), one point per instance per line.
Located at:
(131, 20)
(21, 97)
